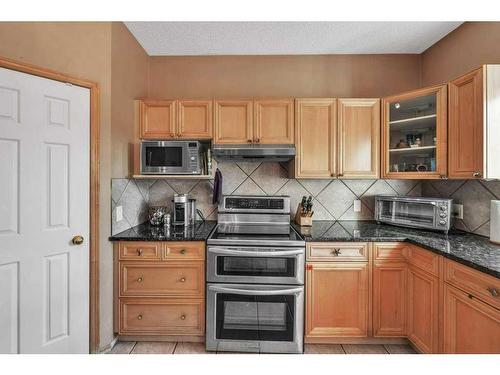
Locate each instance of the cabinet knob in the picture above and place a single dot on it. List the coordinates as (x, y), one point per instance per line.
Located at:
(332, 175)
(139, 252)
(182, 279)
(476, 174)
(336, 252)
(493, 292)
(249, 141)
(183, 317)
(140, 279)
(340, 175)
(179, 134)
(257, 140)
(139, 317)
(183, 251)
(172, 135)
(443, 177)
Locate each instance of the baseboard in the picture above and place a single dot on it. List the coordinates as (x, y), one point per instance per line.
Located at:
(171, 338)
(356, 340)
(108, 347)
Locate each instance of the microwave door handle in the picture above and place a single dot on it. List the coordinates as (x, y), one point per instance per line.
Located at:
(219, 251)
(253, 292)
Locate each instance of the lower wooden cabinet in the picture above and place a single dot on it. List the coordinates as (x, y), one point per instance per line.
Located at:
(336, 300)
(423, 310)
(389, 299)
(470, 325)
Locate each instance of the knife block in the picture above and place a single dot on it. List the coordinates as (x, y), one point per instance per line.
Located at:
(303, 221)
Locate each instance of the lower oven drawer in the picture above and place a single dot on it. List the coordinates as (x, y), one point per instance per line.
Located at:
(162, 316)
(175, 279)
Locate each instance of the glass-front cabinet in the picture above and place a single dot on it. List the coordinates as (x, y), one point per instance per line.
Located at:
(414, 134)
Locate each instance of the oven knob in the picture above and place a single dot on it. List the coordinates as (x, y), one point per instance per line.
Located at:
(442, 214)
(442, 222)
(192, 157)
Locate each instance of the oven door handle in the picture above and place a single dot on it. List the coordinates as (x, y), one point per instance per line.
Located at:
(279, 253)
(253, 292)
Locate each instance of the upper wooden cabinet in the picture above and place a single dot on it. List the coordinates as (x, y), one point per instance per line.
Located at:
(157, 119)
(265, 121)
(359, 138)
(195, 119)
(474, 124)
(273, 121)
(414, 134)
(167, 119)
(233, 121)
(315, 138)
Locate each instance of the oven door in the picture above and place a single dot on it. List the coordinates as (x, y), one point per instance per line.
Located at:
(164, 157)
(255, 265)
(420, 214)
(255, 318)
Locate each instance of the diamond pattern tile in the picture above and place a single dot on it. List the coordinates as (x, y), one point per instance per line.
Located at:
(336, 198)
(476, 200)
(379, 187)
(402, 187)
(182, 186)
(358, 187)
(262, 175)
(232, 177)
(314, 187)
(249, 187)
(248, 167)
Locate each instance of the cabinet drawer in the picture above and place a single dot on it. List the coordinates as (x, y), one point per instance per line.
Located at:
(162, 316)
(424, 259)
(139, 250)
(391, 251)
(338, 251)
(184, 251)
(172, 279)
(480, 285)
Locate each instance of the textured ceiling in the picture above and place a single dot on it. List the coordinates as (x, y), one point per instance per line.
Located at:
(287, 38)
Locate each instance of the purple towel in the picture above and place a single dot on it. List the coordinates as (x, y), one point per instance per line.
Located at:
(217, 197)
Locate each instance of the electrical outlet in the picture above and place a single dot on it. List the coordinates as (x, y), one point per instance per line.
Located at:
(357, 205)
(119, 213)
(457, 211)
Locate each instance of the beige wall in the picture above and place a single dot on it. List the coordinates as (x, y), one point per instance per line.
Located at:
(464, 49)
(293, 76)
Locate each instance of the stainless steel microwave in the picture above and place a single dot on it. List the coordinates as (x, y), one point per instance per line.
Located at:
(170, 157)
(414, 212)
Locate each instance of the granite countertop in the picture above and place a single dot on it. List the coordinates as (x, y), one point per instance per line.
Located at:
(469, 249)
(146, 232)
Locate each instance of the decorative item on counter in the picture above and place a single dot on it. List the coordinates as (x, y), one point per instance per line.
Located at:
(156, 214)
(401, 144)
(495, 222)
(304, 213)
(418, 142)
(421, 167)
(167, 220)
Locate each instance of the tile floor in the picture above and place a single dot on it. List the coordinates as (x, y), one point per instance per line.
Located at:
(151, 347)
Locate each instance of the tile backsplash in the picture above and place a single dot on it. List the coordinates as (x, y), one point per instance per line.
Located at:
(475, 196)
(332, 199)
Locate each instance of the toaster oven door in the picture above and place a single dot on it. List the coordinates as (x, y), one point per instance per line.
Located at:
(418, 214)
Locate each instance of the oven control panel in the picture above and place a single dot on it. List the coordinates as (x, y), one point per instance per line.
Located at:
(255, 203)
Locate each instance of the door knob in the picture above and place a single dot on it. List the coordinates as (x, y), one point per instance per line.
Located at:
(77, 240)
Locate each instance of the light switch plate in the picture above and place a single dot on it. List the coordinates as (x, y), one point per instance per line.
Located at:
(457, 211)
(357, 205)
(119, 213)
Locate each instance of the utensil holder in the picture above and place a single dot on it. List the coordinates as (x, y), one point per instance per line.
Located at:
(303, 221)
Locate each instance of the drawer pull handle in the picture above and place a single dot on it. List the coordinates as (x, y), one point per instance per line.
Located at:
(336, 252)
(140, 279)
(139, 317)
(183, 251)
(139, 252)
(493, 292)
(183, 317)
(182, 279)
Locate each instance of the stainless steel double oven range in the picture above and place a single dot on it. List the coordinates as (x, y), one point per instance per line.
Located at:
(255, 278)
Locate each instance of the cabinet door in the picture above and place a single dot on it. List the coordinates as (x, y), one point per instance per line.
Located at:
(470, 326)
(157, 119)
(414, 134)
(195, 119)
(315, 138)
(359, 138)
(423, 305)
(465, 126)
(336, 300)
(389, 299)
(233, 121)
(274, 121)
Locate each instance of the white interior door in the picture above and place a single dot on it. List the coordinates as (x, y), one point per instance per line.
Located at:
(44, 203)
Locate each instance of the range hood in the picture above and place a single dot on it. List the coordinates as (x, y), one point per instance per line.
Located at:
(253, 152)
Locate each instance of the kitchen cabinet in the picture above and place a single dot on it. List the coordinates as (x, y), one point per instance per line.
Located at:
(233, 121)
(389, 289)
(359, 138)
(315, 138)
(175, 119)
(470, 325)
(474, 124)
(423, 310)
(159, 289)
(273, 121)
(157, 119)
(414, 134)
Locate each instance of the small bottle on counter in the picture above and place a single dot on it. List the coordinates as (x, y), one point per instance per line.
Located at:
(167, 219)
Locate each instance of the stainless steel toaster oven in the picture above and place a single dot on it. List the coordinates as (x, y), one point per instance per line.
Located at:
(414, 212)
